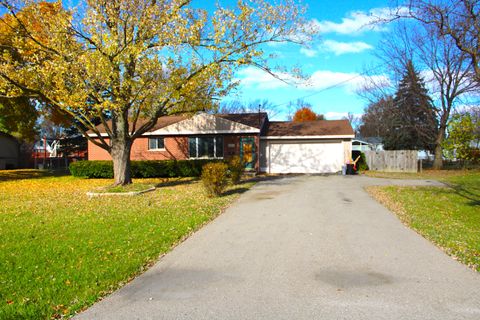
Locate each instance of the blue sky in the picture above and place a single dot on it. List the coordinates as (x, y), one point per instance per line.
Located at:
(344, 50)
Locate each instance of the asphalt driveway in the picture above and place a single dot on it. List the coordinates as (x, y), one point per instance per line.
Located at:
(308, 247)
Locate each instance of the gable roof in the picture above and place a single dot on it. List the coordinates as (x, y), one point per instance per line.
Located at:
(161, 122)
(205, 123)
(316, 128)
(254, 120)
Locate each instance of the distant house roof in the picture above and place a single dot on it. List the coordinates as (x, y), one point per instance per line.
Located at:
(360, 142)
(254, 120)
(8, 136)
(372, 140)
(310, 128)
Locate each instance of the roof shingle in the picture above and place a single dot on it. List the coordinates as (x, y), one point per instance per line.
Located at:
(310, 128)
(254, 120)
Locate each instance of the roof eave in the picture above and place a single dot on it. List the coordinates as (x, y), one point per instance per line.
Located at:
(187, 133)
(343, 136)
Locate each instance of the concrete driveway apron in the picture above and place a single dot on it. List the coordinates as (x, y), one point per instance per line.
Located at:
(307, 247)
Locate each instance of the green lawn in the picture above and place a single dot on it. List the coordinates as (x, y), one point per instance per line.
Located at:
(449, 217)
(60, 251)
(441, 175)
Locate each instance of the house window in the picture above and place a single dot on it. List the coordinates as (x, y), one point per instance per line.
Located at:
(206, 147)
(157, 143)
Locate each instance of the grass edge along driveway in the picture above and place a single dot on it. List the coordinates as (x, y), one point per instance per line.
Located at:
(449, 217)
(60, 252)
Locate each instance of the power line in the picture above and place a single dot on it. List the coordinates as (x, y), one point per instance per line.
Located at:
(339, 84)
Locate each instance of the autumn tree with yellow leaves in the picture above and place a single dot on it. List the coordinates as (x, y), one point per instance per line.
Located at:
(119, 61)
(18, 114)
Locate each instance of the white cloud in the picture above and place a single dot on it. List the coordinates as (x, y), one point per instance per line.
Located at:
(254, 77)
(339, 48)
(374, 83)
(321, 79)
(352, 81)
(357, 22)
(336, 47)
(308, 52)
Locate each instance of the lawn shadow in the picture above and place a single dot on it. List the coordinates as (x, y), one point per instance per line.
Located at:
(468, 194)
(21, 174)
(268, 178)
(172, 182)
(234, 191)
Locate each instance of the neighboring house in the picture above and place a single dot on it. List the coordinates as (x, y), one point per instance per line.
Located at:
(362, 146)
(265, 146)
(376, 143)
(425, 155)
(72, 148)
(57, 153)
(9, 151)
(45, 148)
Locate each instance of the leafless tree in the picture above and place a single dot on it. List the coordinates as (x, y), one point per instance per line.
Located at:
(446, 68)
(376, 118)
(375, 88)
(354, 120)
(456, 21)
(238, 106)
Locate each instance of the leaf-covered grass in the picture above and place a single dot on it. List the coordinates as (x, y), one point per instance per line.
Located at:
(449, 217)
(60, 251)
(425, 174)
(133, 187)
(6, 175)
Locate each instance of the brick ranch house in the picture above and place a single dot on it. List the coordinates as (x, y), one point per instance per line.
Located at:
(321, 146)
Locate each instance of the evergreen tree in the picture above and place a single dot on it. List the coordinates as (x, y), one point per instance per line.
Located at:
(412, 124)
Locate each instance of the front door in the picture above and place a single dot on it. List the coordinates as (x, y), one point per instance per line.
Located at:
(247, 152)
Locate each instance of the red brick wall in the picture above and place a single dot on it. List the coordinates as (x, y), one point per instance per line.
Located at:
(97, 153)
(175, 148)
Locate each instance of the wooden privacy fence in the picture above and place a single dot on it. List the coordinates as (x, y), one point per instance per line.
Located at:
(393, 160)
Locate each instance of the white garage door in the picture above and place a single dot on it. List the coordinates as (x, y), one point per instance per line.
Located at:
(305, 157)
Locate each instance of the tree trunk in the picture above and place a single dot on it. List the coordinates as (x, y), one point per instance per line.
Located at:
(121, 161)
(438, 161)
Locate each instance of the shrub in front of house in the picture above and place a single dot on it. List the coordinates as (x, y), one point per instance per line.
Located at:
(153, 169)
(214, 178)
(141, 169)
(92, 169)
(235, 167)
(362, 162)
(192, 168)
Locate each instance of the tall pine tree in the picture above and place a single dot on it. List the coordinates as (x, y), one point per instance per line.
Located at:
(412, 124)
